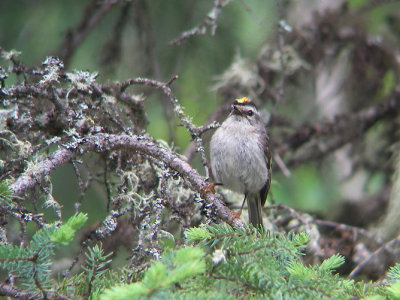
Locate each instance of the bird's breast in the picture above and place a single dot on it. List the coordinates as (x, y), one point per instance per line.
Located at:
(237, 158)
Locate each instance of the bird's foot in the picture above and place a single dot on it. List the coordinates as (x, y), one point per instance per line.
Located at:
(208, 188)
(237, 214)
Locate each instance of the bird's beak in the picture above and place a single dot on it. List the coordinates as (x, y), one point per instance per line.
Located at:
(236, 110)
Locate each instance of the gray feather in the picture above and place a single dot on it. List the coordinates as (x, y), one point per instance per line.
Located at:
(255, 210)
(240, 158)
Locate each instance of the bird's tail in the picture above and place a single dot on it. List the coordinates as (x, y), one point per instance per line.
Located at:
(255, 213)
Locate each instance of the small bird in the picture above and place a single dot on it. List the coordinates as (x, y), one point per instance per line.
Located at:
(240, 157)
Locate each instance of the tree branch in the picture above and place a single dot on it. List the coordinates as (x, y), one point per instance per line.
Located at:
(10, 291)
(91, 17)
(194, 131)
(209, 21)
(386, 247)
(106, 142)
(342, 130)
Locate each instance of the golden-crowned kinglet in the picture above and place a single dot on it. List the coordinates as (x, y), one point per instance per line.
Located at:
(240, 156)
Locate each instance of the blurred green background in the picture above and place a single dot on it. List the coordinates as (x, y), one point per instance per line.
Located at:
(38, 28)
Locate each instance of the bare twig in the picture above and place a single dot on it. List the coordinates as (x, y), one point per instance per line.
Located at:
(209, 125)
(282, 165)
(251, 12)
(342, 130)
(94, 12)
(194, 131)
(39, 286)
(20, 219)
(281, 43)
(209, 21)
(112, 49)
(118, 90)
(81, 185)
(10, 291)
(386, 247)
(372, 5)
(107, 185)
(308, 224)
(344, 227)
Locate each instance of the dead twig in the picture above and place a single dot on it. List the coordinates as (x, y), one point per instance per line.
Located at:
(92, 15)
(386, 247)
(210, 21)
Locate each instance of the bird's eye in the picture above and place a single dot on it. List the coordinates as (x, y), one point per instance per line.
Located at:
(250, 113)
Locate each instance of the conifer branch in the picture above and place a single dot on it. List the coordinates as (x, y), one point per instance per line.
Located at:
(11, 291)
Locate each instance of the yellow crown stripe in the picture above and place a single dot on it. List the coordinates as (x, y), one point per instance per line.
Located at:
(243, 100)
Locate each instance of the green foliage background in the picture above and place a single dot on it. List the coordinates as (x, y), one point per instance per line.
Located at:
(38, 28)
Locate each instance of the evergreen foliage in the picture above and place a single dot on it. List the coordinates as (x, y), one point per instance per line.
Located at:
(326, 82)
(32, 263)
(218, 262)
(176, 267)
(231, 263)
(5, 193)
(95, 276)
(65, 233)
